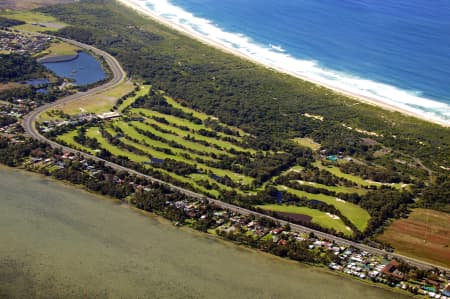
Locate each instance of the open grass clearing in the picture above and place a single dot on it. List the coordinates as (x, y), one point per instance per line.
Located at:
(68, 138)
(60, 48)
(143, 90)
(337, 189)
(353, 178)
(318, 217)
(307, 142)
(35, 21)
(356, 179)
(357, 215)
(424, 235)
(97, 103)
(178, 121)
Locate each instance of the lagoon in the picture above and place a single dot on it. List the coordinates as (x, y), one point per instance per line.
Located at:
(61, 242)
(84, 69)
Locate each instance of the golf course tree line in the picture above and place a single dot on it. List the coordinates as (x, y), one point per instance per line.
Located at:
(159, 136)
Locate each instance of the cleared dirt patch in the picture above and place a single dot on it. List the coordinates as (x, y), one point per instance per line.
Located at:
(424, 235)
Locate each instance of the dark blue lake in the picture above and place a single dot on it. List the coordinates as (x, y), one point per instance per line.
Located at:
(85, 69)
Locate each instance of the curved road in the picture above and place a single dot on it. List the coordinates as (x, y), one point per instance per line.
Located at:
(118, 76)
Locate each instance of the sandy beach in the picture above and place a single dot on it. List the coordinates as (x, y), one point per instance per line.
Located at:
(371, 101)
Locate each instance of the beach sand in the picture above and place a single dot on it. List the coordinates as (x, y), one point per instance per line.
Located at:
(184, 30)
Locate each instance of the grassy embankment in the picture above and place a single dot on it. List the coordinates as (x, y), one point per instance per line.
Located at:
(59, 48)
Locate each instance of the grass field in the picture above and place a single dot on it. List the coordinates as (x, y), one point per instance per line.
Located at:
(35, 22)
(143, 90)
(356, 179)
(318, 217)
(357, 215)
(307, 142)
(337, 189)
(98, 103)
(425, 235)
(353, 178)
(59, 49)
(68, 139)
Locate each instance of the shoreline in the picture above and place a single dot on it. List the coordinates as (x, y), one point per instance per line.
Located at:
(162, 220)
(60, 58)
(367, 100)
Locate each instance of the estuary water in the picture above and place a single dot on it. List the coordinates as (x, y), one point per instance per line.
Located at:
(395, 51)
(61, 242)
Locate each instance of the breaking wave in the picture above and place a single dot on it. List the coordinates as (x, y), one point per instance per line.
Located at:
(275, 56)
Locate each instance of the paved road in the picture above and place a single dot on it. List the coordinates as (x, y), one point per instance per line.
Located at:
(119, 75)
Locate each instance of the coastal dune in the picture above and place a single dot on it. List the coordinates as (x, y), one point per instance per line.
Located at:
(275, 51)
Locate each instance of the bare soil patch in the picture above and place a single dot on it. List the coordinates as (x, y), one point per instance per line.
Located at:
(425, 235)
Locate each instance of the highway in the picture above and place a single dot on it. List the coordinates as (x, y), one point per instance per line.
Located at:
(118, 75)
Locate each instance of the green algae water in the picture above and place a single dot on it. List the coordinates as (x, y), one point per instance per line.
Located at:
(61, 242)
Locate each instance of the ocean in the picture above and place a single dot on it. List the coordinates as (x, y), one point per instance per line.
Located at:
(396, 51)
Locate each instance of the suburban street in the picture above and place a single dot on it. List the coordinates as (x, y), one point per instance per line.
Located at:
(118, 75)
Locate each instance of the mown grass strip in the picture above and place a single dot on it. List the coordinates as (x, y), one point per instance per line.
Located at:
(210, 140)
(181, 122)
(318, 217)
(180, 140)
(356, 179)
(235, 177)
(68, 138)
(200, 115)
(94, 132)
(357, 215)
(143, 90)
(131, 132)
(337, 189)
